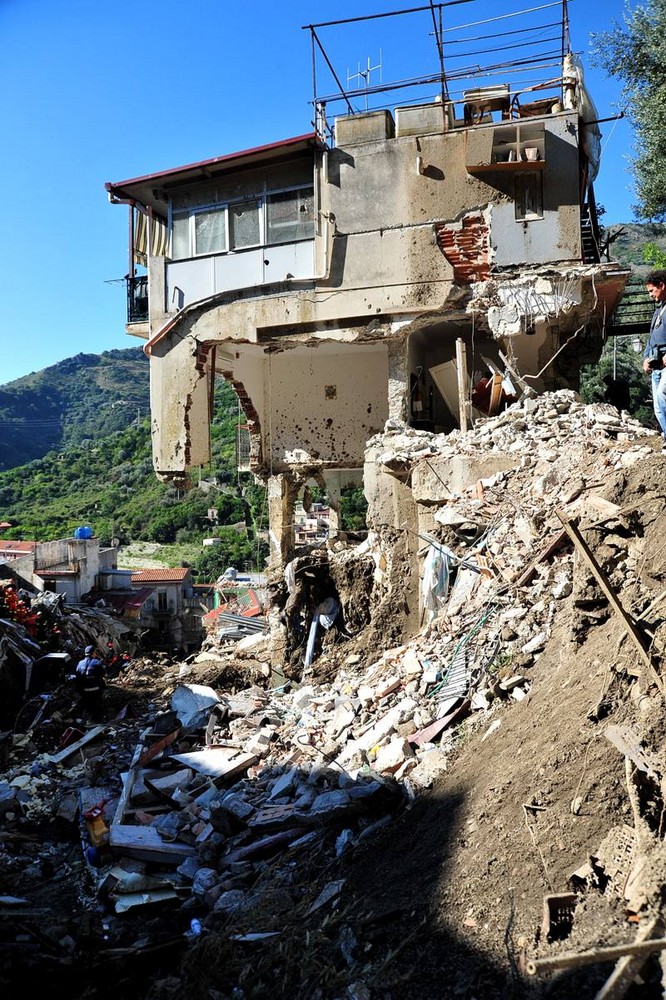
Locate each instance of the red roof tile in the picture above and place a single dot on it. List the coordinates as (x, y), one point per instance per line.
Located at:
(9, 548)
(160, 575)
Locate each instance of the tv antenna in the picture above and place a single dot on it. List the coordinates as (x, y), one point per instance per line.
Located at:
(364, 74)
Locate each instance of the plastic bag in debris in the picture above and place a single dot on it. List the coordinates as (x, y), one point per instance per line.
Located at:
(328, 612)
(435, 584)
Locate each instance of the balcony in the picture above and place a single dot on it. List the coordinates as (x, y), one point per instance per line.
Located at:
(137, 299)
(161, 609)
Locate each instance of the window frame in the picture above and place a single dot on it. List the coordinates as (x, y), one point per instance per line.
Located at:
(285, 191)
(528, 179)
(260, 200)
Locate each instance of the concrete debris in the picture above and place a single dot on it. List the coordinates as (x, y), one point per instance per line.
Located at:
(329, 736)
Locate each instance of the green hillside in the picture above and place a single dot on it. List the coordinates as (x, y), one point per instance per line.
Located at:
(626, 241)
(83, 398)
(102, 475)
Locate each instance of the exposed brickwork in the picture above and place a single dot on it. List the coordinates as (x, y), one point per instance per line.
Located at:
(466, 246)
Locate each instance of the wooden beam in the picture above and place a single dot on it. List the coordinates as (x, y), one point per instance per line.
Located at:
(629, 966)
(461, 368)
(69, 751)
(573, 531)
(594, 956)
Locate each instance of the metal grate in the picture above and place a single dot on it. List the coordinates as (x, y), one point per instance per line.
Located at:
(243, 448)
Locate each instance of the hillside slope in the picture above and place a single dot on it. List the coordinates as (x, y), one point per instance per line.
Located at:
(107, 479)
(627, 239)
(84, 397)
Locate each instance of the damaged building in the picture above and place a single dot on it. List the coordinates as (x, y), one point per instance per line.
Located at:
(369, 273)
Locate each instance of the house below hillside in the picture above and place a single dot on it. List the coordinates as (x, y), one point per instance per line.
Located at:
(162, 606)
(68, 566)
(170, 617)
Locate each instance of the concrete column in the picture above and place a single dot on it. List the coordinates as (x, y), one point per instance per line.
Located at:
(179, 405)
(157, 298)
(392, 513)
(281, 494)
(398, 381)
(333, 491)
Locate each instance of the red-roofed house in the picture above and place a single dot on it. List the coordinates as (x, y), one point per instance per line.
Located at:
(12, 549)
(172, 614)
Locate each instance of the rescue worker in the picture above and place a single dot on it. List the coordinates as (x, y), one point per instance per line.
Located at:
(112, 661)
(90, 682)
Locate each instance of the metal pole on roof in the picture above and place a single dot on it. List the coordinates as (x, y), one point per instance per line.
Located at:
(438, 40)
(328, 63)
(566, 40)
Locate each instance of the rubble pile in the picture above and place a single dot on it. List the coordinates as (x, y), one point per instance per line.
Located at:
(40, 638)
(241, 792)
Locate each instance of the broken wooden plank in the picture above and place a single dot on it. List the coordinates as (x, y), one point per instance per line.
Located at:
(605, 509)
(217, 762)
(549, 549)
(573, 531)
(158, 747)
(164, 786)
(457, 708)
(629, 743)
(265, 846)
(629, 966)
(128, 782)
(651, 606)
(145, 844)
(594, 956)
(69, 751)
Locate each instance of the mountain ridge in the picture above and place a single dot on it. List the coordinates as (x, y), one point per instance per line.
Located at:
(82, 397)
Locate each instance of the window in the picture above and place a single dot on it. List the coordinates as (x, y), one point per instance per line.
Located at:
(244, 227)
(283, 217)
(162, 600)
(180, 236)
(210, 231)
(529, 196)
(290, 216)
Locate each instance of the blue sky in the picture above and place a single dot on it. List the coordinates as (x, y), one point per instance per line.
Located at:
(96, 92)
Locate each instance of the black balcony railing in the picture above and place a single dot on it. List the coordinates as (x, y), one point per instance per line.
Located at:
(137, 299)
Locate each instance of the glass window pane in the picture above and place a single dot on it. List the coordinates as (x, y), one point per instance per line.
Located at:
(180, 237)
(210, 231)
(290, 216)
(244, 225)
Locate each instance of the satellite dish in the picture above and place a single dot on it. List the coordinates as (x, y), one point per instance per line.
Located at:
(115, 542)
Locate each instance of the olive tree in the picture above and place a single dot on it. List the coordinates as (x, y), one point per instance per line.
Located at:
(634, 52)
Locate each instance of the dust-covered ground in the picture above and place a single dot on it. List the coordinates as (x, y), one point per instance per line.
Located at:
(541, 840)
